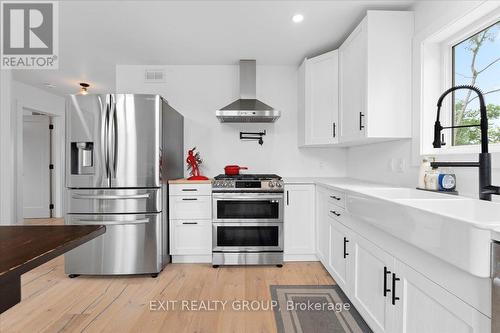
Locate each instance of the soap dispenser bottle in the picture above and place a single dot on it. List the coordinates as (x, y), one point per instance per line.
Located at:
(425, 167)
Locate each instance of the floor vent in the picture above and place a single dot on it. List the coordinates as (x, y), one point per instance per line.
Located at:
(154, 75)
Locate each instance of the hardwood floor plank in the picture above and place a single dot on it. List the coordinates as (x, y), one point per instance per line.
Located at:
(54, 303)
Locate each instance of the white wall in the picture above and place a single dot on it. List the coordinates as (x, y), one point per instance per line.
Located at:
(7, 192)
(373, 162)
(29, 98)
(197, 91)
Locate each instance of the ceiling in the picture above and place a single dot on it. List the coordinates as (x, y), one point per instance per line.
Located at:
(94, 36)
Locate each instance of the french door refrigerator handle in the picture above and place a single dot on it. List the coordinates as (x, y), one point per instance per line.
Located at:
(110, 197)
(104, 137)
(112, 137)
(103, 222)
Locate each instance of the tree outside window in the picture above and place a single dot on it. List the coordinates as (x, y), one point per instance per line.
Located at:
(476, 61)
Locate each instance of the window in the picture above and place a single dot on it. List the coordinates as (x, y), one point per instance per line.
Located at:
(476, 61)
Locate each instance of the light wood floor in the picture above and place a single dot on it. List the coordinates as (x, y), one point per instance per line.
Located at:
(54, 303)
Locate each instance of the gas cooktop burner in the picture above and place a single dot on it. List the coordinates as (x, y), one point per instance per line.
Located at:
(247, 183)
(248, 177)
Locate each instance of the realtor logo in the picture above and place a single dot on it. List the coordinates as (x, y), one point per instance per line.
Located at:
(29, 32)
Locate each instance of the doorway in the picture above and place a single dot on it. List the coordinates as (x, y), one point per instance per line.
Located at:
(37, 166)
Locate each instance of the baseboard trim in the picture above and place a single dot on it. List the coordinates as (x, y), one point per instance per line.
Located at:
(192, 259)
(300, 257)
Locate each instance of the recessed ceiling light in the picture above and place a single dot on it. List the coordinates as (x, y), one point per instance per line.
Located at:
(84, 88)
(297, 18)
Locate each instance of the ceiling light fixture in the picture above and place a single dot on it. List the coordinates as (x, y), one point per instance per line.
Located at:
(297, 18)
(49, 85)
(84, 88)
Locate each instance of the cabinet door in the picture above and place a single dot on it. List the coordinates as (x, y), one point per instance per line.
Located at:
(323, 229)
(424, 306)
(339, 252)
(322, 99)
(369, 275)
(299, 219)
(352, 84)
(190, 237)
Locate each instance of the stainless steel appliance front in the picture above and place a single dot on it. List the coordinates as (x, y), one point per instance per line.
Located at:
(121, 149)
(247, 227)
(247, 207)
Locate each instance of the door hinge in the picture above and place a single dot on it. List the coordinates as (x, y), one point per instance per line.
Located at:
(51, 126)
(51, 166)
(51, 206)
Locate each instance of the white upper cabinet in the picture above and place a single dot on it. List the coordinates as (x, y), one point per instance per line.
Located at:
(375, 79)
(318, 101)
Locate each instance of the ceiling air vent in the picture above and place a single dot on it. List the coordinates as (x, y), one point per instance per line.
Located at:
(154, 75)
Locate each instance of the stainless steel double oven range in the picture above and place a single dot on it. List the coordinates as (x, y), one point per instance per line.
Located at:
(247, 220)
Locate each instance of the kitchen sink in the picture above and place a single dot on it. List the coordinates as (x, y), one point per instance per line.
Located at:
(402, 193)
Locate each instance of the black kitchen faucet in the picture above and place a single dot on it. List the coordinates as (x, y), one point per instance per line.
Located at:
(484, 163)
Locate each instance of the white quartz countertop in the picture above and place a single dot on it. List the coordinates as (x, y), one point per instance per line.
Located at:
(480, 214)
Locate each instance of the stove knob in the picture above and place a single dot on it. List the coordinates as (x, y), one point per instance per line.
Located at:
(271, 184)
(279, 185)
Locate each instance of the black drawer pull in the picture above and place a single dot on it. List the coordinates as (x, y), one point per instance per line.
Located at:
(334, 129)
(189, 189)
(335, 213)
(189, 199)
(386, 272)
(334, 197)
(189, 222)
(361, 126)
(394, 279)
(345, 247)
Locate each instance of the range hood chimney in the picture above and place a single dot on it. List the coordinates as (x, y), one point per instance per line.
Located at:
(247, 109)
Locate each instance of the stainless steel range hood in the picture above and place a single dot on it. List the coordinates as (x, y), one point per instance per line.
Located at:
(247, 109)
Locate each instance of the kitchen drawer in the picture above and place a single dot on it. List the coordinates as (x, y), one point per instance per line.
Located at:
(190, 189)
(337, 213)
(337, 198)
(191, 237)
(194, 207)
(108, 201)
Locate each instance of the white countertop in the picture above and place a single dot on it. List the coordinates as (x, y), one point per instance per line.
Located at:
(481, 220)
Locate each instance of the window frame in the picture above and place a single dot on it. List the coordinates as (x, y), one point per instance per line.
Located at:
(447, 80)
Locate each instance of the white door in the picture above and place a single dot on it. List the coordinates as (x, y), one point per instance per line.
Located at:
(424, 306)
(339, 252)
(36, 173)
(299, 220)
(322, 98)
(370, 283)
(352, 84)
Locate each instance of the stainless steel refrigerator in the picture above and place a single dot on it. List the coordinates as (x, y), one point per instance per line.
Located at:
(120, 151)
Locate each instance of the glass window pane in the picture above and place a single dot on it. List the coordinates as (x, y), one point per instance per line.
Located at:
(476, 61)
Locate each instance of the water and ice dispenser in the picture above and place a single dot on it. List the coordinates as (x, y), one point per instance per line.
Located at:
(82, 158)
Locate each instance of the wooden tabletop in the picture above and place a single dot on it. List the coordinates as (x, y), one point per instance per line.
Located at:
(24, 247)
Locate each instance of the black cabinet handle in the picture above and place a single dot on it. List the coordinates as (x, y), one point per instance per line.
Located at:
(189, 222)
(189, 199)
(345, 247)
(394, 298)
(334, 197)
(287, 198)
(335, 213)
(334, 127)
(386, 272)
(189, 190)
(361, 126)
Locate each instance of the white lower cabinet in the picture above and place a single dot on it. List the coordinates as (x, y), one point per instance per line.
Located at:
(189, 237)
(299, 224)
(338, 258)
(424, 306)
(389, 294)
(369, 280)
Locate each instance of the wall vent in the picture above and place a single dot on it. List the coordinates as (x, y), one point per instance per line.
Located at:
(154, 75)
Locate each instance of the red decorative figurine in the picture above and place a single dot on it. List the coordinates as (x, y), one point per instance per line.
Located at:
(194, 160)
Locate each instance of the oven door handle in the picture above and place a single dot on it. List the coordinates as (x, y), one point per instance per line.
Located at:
(246, 197)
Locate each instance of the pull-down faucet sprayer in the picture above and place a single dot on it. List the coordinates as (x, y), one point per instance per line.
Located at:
(484, 163)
